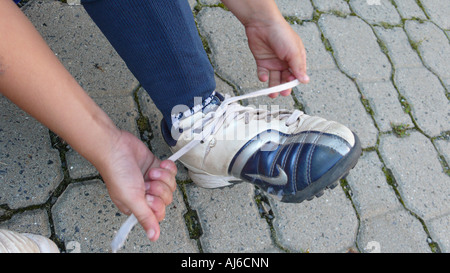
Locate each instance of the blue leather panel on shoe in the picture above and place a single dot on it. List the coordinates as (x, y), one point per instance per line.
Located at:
(294, 164)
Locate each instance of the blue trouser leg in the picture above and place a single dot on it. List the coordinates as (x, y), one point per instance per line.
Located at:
(159, 42)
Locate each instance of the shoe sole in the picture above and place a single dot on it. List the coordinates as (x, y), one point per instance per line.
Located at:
(329, 180)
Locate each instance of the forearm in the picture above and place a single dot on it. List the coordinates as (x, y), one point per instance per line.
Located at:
(253, 11)
(34, 79)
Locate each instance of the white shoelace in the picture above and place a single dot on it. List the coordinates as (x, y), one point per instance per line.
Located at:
(209, 125)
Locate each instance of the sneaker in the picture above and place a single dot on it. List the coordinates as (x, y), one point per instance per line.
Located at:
(14, 242)
(288, 154)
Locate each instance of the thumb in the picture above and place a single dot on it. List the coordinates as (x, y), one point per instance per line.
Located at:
(297, 66)
(296, 60)
(146, 218)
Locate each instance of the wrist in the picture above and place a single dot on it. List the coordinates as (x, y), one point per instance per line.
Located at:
(94, 135)
(101, 141)
(263, 20)
(255, 12)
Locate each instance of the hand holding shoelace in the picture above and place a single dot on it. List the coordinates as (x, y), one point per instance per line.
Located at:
(139, 183)
(278, 51)
(279, 54)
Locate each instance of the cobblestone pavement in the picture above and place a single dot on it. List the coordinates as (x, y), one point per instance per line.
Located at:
(381, 67)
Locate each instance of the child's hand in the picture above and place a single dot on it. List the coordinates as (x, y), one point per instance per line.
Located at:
(279, 53)
(139, 183)
(160, 186)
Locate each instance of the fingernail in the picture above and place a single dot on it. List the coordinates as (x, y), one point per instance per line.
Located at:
(305, 78)
(149, 199)
(147, 186)
(151, 234)
(156, 174)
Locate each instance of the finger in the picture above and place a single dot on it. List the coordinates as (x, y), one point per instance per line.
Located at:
(297, 64)
(286, 93)
(122, 208)
(263, 73)
(161, 190)
(146, 218)
(157, 205)
(273, 95)
(274, 80)
(163, 175)
(286, 76)
(169, 165)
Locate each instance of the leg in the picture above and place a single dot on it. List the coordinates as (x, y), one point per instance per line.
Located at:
(159, 42)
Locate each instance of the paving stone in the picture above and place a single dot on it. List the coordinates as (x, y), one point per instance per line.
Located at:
(426, 96)
(85, 215)
(333, 96)
(81, 47)
(440, 233)
(78, 166)
(339, 6)
(209, 2)
(399, 49)
(443, 145)
(73, 2)
(446, 83)
(123, 112)
(438, 10)
(406, 234)
(384, 101)
(74, 222)
(230, 56)
(409, 9)
(226, 215)
(433, 46)
(301, 9)
(376, 12)
(317, 56)
(29, 167)
(31, 221)
(192, 3)
(355, 47)
(325, 224)
(421, 181)
(370, 191)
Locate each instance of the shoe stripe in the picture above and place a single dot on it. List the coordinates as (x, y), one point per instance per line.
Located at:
(250, 148)
(311, 152)
(271, 136)
(299, 152)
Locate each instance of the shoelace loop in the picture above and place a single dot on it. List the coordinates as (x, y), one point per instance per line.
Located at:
(230, 110)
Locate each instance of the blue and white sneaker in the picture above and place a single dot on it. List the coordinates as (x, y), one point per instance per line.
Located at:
(290, 155)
